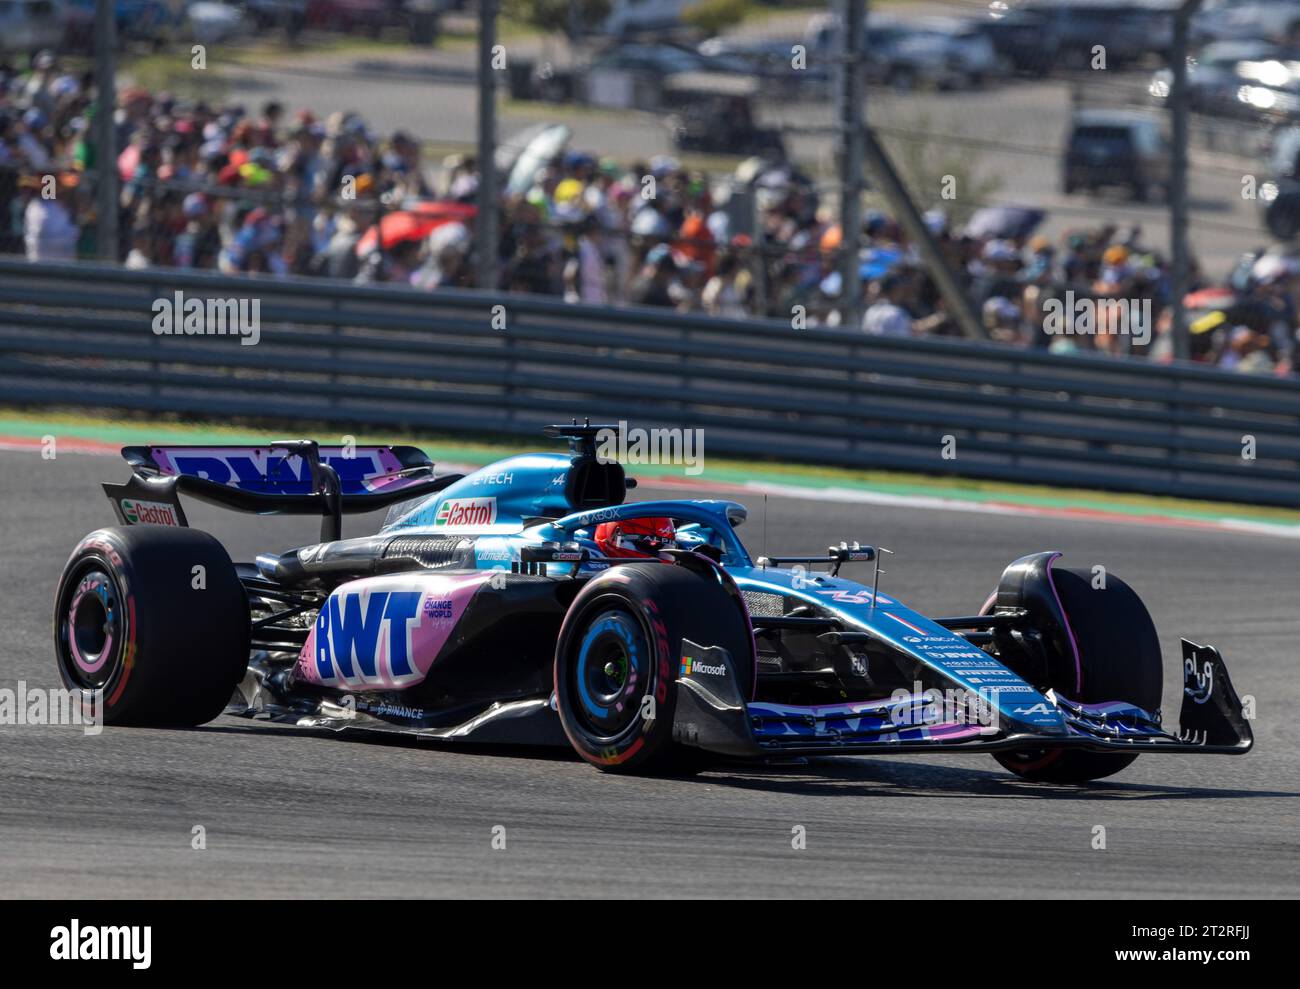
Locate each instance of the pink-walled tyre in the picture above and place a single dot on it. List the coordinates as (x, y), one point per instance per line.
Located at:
(156, 618)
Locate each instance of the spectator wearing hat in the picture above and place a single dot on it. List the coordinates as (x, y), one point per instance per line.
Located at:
(1004, 321)
(886, 315)
(39, 92)
(998, 271)
(30, 141)
(199, 242)
(655, 285)
(535, 260)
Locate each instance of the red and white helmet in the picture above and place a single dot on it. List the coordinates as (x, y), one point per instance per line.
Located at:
(636, 537)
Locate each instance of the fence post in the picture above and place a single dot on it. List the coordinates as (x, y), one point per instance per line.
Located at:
(486, 221)
(1178, 176)
(106, 197)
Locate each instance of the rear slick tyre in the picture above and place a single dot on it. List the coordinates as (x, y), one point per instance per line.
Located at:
(155, 617)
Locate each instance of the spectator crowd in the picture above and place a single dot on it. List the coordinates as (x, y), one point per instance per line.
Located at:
(269, 193)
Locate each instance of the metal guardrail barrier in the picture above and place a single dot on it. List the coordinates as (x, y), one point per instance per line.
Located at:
(338, 353)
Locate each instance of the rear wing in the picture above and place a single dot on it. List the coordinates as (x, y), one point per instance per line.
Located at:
(284, 477)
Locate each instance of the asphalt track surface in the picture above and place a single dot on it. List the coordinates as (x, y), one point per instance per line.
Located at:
(290, 813)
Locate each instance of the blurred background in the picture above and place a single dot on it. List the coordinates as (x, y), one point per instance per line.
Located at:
(702, 155)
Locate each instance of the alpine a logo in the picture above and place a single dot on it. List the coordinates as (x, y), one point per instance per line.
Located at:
(1039, 708)
(466, 512)
(148, 512)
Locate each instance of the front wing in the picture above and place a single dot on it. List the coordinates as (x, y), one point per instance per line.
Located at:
(711, 714)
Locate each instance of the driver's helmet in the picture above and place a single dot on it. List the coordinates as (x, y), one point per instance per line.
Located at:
(636, 537)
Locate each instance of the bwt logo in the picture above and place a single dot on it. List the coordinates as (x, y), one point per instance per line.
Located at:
(277, 475)
(354, 630)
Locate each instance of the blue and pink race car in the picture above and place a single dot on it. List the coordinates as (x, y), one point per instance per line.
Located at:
(530, 603)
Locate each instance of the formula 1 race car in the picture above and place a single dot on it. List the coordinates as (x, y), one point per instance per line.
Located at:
(528, 603)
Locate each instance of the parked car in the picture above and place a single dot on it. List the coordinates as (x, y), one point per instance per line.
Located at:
(770, 61)
(1046, 35)
(714, 114)
(28, 25)
(152, 22)
(1076, 29)
(1018, 36)
(945, 52)
(1212, 79)
(655, 59)
(1153, 21)
(936, 52)
(209, 22)
(1115, 148)
(1247, 20)
(1268, 90)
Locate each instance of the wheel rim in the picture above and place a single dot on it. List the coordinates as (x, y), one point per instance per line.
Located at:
(610, 674)
(90, 629)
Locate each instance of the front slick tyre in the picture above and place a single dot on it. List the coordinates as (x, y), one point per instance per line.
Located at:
(1119, 660)
(621, 645)
(156, 618)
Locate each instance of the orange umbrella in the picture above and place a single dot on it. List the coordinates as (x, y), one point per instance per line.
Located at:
(413, 224)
